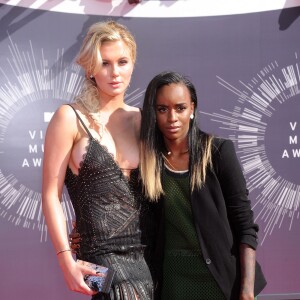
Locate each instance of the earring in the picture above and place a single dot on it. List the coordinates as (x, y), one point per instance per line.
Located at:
(192, 116)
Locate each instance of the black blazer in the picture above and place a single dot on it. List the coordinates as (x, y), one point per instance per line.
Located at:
(223, 220)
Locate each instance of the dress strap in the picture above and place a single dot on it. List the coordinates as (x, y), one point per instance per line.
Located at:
(81, 121)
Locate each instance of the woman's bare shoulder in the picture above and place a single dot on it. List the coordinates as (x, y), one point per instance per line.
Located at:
(67, 112)
(132, 109)
(63, 120)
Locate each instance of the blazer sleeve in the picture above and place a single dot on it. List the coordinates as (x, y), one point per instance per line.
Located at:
(235, 193)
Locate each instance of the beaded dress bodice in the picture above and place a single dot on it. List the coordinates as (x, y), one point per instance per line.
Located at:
(107, 204)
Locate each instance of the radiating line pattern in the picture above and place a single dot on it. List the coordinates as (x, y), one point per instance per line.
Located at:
(256, 101)
(27, 77)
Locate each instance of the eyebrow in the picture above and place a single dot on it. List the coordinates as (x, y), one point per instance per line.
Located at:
(123, 57)
(178, 104)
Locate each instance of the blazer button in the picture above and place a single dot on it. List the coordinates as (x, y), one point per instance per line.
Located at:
(208, 261)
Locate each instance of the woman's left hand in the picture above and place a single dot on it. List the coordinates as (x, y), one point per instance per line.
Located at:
(246, 296)
(74, 238)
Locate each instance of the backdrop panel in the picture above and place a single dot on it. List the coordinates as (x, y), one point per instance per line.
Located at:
(246, 70)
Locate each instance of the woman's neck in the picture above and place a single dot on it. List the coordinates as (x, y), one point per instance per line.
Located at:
(176, 148)
(176, 156)
(111, 103)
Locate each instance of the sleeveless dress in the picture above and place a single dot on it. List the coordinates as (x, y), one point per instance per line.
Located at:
(114, 222)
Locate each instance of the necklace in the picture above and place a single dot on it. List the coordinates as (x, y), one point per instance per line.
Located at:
(170, 166)
(169, 153)
(168, 162)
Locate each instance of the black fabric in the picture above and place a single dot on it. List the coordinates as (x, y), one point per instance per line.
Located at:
(185, 273)
(223, 220)
(224, 199)
(114, 222)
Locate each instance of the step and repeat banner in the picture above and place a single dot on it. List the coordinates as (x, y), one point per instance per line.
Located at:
(245, 62)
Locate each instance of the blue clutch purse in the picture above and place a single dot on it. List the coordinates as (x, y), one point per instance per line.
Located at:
(100, 283)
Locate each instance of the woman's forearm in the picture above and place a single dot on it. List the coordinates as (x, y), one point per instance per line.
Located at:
(247, 259)
(56, 224)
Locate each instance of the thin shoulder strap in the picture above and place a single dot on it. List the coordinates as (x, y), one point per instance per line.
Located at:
(81, 121)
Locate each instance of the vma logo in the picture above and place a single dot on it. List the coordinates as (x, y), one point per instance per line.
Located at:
(36, 143)
(293, 140)
(264, 125)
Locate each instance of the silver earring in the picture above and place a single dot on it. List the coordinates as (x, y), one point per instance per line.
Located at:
(192, 116)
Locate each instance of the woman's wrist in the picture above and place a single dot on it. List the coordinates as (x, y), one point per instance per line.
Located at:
(63, 250)
(65, 260)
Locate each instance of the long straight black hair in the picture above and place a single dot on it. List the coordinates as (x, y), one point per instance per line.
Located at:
(152, 141)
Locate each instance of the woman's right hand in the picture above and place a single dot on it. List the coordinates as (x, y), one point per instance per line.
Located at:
(74, 274)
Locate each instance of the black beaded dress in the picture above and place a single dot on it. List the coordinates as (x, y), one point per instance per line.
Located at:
(114, 222)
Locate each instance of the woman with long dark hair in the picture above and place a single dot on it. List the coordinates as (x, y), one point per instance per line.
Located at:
(207, 241)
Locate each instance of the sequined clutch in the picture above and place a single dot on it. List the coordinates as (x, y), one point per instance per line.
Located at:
(98, 283)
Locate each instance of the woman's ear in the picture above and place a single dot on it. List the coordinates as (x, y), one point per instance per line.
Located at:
(193, 108)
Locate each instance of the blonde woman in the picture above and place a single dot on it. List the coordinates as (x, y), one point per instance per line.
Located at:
(92, 146)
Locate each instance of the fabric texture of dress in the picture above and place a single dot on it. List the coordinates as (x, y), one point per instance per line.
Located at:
(185, 273)
(223, 220)
(113, 220)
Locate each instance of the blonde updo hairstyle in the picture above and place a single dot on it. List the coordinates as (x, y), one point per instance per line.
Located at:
(90, 60)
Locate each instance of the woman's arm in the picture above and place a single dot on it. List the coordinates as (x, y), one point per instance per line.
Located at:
(247, 259)
(239, 213)
(234, 189)
(60, 137)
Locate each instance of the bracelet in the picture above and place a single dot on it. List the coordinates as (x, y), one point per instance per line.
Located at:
(61, 251)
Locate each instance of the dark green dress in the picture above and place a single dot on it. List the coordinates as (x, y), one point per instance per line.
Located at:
(185, 274)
